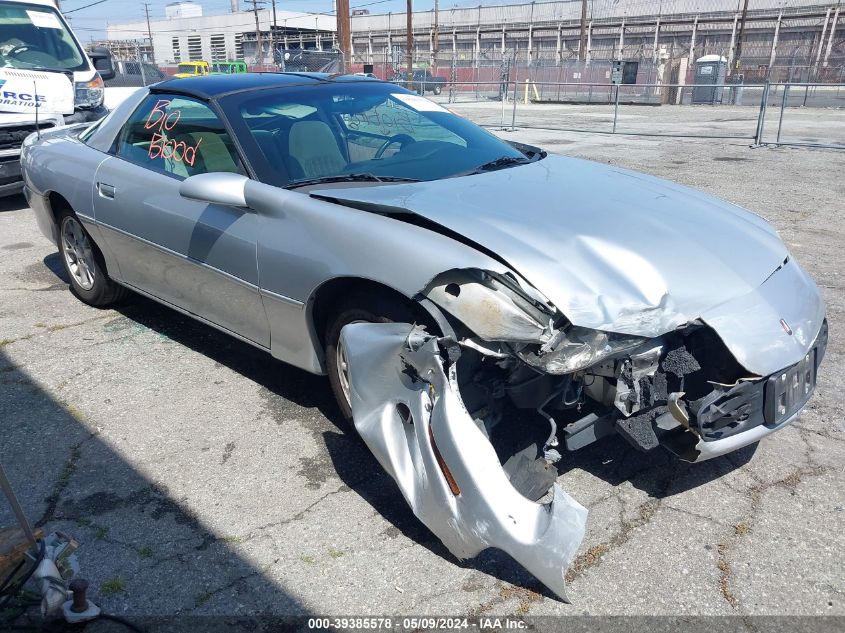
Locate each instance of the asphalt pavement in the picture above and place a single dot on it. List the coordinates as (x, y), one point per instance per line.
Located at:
(203, 477)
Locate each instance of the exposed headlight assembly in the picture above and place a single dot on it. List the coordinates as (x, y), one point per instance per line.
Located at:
(494, 307)
(89, 94)
(577, 348)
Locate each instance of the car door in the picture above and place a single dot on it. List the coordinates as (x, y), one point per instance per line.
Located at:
(197, 256)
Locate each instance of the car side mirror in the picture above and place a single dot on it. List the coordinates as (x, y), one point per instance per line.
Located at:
(103, 64)
(216, 188)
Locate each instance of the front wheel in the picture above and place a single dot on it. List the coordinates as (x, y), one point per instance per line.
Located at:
(438, 89)
(84, 264)
(360, 310)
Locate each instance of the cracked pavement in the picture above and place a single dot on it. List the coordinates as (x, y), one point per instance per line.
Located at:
(201, 476)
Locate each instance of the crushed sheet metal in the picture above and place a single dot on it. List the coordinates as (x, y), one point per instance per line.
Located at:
(395, 365)
(750, 326)
(644, 257)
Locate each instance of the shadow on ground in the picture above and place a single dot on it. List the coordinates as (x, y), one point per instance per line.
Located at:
(68, 478)
(13, 203)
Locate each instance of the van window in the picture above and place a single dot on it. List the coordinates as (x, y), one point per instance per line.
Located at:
(35, 36)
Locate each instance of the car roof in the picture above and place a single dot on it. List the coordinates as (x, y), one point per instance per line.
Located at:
(211, 86)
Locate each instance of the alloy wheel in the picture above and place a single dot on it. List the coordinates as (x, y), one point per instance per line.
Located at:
(78, 254)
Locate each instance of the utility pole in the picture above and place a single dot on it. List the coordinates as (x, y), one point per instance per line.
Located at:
(582, 46)
(150, 34)
(738, 56)
(409, 38)
(273, 36)
(259, 57)
(436, 36)
(344, 32)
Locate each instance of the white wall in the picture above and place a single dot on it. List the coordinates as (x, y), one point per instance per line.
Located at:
(227, 24)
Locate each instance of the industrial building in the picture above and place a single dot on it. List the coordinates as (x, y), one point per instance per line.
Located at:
(795, 40)
(186, 34)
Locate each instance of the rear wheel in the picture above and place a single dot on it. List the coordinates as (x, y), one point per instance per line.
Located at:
(360, 309)
(438, 89)
(84, 264)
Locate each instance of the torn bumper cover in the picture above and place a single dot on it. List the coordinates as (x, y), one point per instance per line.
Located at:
(407, 408)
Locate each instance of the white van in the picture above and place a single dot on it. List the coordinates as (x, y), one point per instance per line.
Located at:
(46, 79)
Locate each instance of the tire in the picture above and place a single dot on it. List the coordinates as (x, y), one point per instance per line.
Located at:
(438, 89)
(360, 309)
(84, 264)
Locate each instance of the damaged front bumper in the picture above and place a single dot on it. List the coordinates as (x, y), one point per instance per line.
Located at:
(454, 420)
(407, 408)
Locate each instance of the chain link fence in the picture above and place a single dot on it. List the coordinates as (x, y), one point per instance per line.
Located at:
(508, 89)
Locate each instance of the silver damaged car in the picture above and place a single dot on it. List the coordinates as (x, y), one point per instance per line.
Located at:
(480, 307)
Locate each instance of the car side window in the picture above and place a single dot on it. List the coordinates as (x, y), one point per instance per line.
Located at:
(177, 136)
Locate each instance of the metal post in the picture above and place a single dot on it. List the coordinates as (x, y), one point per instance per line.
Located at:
(615, 108)
(761, 116)
(435, 38)
(782, 108)
(821, 45)
(273, 30)
(150, 34)
(515, 98)
(738, 55)
(409, 39)
(831, 36)
(344, 32)
(504, 94)
(140, 65)
(582, 41)
(16, 507)
(775, 43)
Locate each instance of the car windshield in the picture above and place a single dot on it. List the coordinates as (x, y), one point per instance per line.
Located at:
(187, 68)
(363, 130)
(222, 68)
(35, 36)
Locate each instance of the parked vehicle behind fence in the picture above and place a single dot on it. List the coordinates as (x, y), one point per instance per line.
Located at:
(228, 68)
(192, 69)
(130, 73)
(422, 81)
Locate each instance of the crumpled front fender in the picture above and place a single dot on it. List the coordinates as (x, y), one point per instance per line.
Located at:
(406, 407)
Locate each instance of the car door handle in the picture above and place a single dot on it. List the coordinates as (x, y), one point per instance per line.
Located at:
(106, 191)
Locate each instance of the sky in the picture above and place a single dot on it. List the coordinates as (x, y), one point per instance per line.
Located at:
(89, 23)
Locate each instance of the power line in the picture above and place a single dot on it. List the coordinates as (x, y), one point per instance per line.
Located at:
(84, 7)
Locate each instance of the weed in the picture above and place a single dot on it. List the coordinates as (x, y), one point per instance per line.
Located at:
(113, 586)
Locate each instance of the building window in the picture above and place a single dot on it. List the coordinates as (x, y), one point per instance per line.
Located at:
(177, 52)
(195, 48)
(218, 48)
(239, 46)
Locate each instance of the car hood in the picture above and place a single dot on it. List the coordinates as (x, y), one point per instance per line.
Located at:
(613, 249)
